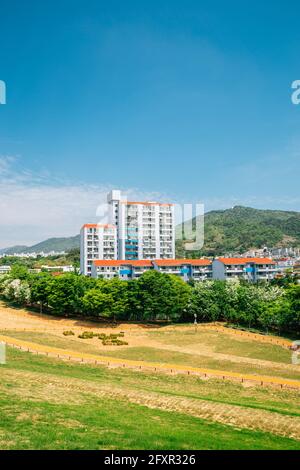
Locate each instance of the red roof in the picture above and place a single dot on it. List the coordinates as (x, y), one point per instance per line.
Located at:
(139, 262)
(108, 262)
(121, 262)
(180, 262)
(246, 260)
(98, 225)
(146, 203)
(149, 262)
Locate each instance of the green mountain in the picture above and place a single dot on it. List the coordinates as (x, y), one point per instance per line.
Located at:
(243, 228)
(52, 244)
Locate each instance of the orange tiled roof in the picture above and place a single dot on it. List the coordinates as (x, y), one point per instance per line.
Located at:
(148, 262)
(139, 262)
(180, 262)
(122, 262)
(146, 203)
(98, 225)
(246, 260)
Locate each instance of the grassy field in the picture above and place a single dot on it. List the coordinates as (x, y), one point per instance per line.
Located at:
(48, 404)
(54, 404)
(182, 347)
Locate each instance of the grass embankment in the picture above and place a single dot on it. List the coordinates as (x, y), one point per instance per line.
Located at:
(49, 404)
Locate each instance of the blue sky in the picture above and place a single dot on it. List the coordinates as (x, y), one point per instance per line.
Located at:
(180, 100)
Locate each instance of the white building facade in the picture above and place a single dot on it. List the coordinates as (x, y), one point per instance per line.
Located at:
(5, 269)
(136, 231)
(186, 269)
(249, 269)
(145, 230)
(97, 241)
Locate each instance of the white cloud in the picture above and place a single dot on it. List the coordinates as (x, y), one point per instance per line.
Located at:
(34, 207)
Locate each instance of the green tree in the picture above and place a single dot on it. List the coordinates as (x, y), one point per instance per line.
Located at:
(160, 296)
(118, 290)
(19, 271)
(203, 302)
(41, 287)
(97, 303)
(67, 292)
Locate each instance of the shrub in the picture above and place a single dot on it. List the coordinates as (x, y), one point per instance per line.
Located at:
(68, 333)
(86, 335)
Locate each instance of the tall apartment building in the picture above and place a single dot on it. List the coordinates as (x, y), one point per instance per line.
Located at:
(97, 241)
(145, 230)
(136, 230)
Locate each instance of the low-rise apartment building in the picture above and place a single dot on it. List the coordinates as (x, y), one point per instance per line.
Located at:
(124, 269)
(4, 269)
(249, 269)
(198, 269)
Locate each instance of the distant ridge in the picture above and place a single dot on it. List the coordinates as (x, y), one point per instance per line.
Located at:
(52, 244)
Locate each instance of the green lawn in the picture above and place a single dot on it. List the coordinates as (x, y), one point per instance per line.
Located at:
(48, 404)
(53, 340)
(171, 357)
(224, 343)
(116, 425)
(212, 341)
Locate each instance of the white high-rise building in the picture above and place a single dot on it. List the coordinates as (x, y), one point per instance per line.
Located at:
(145, 230)
(97, 241)
(136, 231)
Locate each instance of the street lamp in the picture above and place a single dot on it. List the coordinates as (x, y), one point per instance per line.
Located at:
(195, 322)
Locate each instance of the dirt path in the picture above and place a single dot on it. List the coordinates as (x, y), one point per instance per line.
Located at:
(36, 386)
(12, 318)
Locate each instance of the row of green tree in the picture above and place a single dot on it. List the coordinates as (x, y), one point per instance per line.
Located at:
(157, 296)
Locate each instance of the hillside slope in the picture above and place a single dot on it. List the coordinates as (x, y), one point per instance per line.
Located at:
(51, 244)
(242, 228)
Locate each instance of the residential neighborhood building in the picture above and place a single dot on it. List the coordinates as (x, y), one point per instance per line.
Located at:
(198, 269)
(141, 236)
(64, 268)
(285, 265)
(124, 269)
(250, 269)
(296, 269)
(97, 241)
(136, 231)
(145, 230)
(4, 269)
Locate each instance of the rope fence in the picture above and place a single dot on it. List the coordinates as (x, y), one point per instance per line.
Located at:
(84, 358)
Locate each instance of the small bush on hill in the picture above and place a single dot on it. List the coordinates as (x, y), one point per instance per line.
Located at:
(68, 333)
